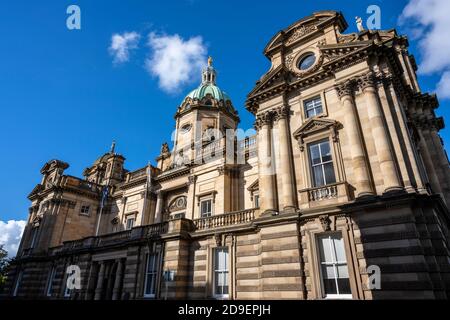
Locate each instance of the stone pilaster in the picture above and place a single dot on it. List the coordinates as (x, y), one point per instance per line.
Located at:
(159, 207)
(359, 159)
(379, 132)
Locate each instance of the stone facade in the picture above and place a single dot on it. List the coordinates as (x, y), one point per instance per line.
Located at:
(346, 174)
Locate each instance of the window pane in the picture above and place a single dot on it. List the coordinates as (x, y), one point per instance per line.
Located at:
(325, 253)
(315, 154)
(344, 286)
(338, 243)
(326, 152)
(318, 176)
(329, 173)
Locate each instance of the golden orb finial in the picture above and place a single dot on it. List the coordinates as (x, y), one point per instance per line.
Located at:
(210, 61)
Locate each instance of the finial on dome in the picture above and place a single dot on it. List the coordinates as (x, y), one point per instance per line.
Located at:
(209, 74)
(113, 147)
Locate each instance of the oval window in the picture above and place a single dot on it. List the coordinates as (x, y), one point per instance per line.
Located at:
(185, 128)
(307, 61)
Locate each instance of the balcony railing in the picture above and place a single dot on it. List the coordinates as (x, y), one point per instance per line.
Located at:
(225, 220)
(337, 192)
(323, 193)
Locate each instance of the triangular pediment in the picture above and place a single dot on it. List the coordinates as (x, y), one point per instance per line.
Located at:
(254, 186)
(315, 125)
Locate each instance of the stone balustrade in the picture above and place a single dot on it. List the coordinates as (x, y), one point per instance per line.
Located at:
(324, 195)
(225, 220)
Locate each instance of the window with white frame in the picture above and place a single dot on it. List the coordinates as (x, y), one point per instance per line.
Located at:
(17, 284)
(313, 107)
(206, 208)
(321, 161)
(85, 210)
(51, 277)
(221, 272)
(130, 223)
(333, 267)
(151, 272)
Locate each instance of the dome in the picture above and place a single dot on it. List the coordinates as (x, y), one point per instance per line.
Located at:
(208, 94)
(204, 89)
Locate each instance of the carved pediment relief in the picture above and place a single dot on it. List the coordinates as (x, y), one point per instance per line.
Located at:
(314, 126)
(303, 28)
(178, 204)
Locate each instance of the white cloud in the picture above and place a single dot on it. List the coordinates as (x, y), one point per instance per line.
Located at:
(122, 44)
(10, 235)
(175, 61)
(433, 17)
(443, 87)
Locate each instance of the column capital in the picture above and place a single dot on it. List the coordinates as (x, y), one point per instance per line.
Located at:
(366, 81)
(263, 119)
(281, 113)
(344, 89)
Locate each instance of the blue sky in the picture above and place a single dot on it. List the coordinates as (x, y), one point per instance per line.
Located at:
(62, 96)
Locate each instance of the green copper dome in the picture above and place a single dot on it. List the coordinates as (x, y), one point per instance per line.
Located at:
(208, 88)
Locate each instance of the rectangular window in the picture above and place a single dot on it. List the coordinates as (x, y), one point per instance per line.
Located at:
(256, 200)
(150, 276)
(85, 210)
(313, 107)
(321, 164)
(333, 267)
(221, 272)
(130, 223)
(17, 284)
(51, 276)
(206, 208)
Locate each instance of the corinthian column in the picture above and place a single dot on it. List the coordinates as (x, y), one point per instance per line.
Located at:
(359, 160)
(379, 133)
(286, 173)
(266, 163)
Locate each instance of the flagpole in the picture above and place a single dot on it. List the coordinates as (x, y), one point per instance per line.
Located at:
(148, 173)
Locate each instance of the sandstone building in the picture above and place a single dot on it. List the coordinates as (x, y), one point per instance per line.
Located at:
(346, 173)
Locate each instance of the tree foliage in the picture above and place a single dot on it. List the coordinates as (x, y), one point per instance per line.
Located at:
(4, 263)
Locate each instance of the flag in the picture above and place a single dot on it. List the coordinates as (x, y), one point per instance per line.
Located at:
(105, 192)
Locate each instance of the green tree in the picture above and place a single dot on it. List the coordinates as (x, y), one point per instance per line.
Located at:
(4, 263)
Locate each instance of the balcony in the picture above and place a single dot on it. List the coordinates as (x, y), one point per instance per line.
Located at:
(225, 220)
(325, 195)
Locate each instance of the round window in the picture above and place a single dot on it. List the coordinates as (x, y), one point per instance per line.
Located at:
(307, 61)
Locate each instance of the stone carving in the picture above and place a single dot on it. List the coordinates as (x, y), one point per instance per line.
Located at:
(281, 113)
(344, 89)
(300, 32)
(366, 81)
(325, 221)
(177, 204)
(359, 24)
(165, 148)
(264, 118)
